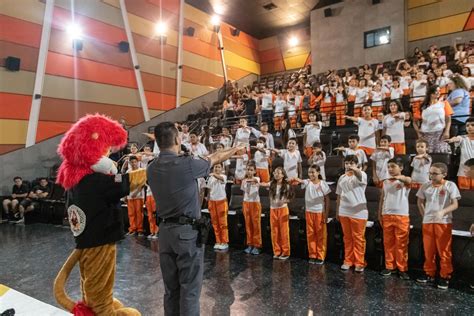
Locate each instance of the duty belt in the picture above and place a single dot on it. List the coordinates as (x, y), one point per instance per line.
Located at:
(182, 220)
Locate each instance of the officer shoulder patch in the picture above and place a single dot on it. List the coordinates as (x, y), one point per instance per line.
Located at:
(77, 219)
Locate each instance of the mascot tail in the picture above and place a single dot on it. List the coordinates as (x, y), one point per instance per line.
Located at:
(59, 283)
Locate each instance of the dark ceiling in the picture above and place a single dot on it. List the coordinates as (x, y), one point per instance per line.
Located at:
(251, 17)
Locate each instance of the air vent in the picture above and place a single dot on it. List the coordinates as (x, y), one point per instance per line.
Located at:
(270, 6)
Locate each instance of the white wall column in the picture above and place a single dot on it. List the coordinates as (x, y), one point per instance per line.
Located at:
(221, 49)
(136, 66)
(39, 78)
(179, 66)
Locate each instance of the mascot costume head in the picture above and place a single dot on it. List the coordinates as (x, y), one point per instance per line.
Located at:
(84, 150)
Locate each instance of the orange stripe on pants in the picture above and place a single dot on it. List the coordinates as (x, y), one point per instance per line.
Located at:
(218, 211)
(135, 215)
(398, 148)
(437, 241)
(277, 121)
(151, 210)
(316, 235)
(396, 229)
(280, 228)
(293, 121)
(253, 217)
(340, 112)
(264, 175)
(465, 183)
(354, 240)
(416, 109)
(308, 151)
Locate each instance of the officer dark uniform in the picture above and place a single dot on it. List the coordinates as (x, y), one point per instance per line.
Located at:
(173, 181)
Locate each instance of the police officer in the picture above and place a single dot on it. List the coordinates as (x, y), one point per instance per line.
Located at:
(173, 181)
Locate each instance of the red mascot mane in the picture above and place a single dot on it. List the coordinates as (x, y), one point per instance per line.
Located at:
(84, 144)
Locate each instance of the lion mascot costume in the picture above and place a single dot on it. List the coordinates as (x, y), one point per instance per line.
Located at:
(95, 190)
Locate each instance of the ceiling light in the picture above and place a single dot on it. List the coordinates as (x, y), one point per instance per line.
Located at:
(293, 41)
(215, 20)
(161, 28)
(219, 8)
(74, 31)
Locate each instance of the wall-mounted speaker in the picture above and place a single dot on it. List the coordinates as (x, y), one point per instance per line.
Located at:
(327, 12)
(77, 44)
(12, 63)
(190, 31)
(234, 32)
(124, 46)
(376, 1)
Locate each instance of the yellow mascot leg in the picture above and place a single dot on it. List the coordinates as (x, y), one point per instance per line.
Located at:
(97, 266)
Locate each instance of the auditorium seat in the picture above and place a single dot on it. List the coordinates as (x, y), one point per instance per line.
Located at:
(236, 198)
(333, 168)
(372, 194)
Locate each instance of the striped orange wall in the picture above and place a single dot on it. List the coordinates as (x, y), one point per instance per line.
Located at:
(100, 78)
(276, 55)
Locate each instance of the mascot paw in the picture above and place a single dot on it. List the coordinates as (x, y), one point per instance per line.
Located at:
(127, 311)
(117, 304)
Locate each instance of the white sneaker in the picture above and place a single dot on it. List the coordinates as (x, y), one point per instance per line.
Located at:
(21, 221)
(284, 257)
(154, 236)
(276, 257)
(345, 267)
(359, 269)
(224, 247)
(217, 247)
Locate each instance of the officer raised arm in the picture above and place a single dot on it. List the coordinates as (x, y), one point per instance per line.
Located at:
(173, 181)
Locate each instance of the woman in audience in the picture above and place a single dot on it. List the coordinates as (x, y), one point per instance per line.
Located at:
(459, 101)
(434, 122)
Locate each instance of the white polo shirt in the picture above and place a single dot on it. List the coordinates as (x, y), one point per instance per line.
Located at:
(319, 160)
(313, 133)
(405, 82)
(240, 165)
(352, 196)
(361, 96)
(436, 198)
(395, 198)
(261, 159)
(278, 202)
(419, 89)
(377, 97)
(359, 153)
(467, 152)
(396, 93)
(290, 162)
(216, 188)
(267, 99)
(421, 170)
(242, 135)
(366, 132)
(198, 149)
(280, 106)
(395, 128)
(434, 117)
(250, 190)
(381, 158)
(314, 195)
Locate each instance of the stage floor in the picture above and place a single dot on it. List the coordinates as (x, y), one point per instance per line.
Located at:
(234, 283)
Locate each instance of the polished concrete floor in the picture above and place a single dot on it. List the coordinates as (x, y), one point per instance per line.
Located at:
(234, 283)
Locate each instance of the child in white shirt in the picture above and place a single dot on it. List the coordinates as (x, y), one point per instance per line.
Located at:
(261, 156)
(421, 164)
(252, 210)
(292, 160)
(380, 158)
(318, 158)
(311, 133)
(241, 158)
(218, 207)
(355, 150)
(367, 130)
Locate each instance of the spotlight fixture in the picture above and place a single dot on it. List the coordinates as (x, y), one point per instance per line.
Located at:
(161, 29)
(74, 31)
(190, 31)
(234, 32)
(293, 41)
(216, 23)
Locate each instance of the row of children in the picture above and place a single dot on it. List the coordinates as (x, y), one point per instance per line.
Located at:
(437, 199)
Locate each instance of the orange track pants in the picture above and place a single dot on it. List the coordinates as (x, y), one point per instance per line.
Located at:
(396, 229)
(399, 148)
(135, 215)
(316, 235)
(354, 240)
(218, 211)
(277, 121)
(464, 183)
(253, 217)
(437, 241)
(151, 210)
(264, 175)
(280, 228)
(416, 109)
(340, 112)
(293, 121)
(368, 151)
(376, 110)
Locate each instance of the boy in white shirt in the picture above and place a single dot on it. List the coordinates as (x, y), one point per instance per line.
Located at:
(437, 200)
(261, 156)
(421, 164)
(252, 210)
(270, 143)
(241, 158)
(396, 92)
(218, 208)
(242, 135)
(135, 204)
(280, 107)
(367, 130)
(393, 214)
(355, 150)
(291, 160)
(466, 142)
(418, 88)
(195, 147)
(380, 158)
(319, 159)
(351, 211)
(311, 133)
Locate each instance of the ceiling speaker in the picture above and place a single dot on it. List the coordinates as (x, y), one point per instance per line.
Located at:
(234, 32)
(327, 12)
(376, 1)
(190, 31)
(12, 63)
(124, 46)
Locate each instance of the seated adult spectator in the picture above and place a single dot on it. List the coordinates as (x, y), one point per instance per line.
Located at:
(38, 193)
(10, 205)
(459, 101)
(434, 121)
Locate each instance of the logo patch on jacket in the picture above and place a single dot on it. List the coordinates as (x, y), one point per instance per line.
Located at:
(77, 219)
